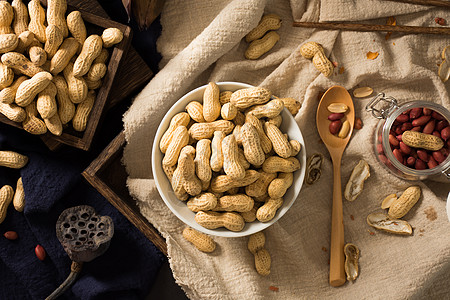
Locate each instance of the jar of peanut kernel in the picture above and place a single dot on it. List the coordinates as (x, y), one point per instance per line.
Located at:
(412, 140)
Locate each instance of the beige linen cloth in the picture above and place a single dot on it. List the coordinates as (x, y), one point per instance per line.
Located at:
(202, 41)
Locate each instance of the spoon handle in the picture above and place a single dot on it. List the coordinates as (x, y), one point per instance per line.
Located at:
(337, 274)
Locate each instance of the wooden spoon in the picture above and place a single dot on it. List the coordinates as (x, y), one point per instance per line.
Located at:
(336, 147)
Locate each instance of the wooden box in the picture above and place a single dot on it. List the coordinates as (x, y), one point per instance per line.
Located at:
(95, 25)
(107, 174)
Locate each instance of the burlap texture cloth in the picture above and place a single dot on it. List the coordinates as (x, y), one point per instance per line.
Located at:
(202, 41)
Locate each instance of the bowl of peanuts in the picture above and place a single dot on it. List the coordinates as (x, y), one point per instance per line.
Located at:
(229, 159)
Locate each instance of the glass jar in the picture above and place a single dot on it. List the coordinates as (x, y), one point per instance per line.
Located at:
(387, 110)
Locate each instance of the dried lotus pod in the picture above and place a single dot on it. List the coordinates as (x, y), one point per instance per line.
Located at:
(351, 261)
(84, 234)
(383, 222)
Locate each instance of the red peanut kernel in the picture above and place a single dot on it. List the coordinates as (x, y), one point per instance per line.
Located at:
(11, 235)
(40, 252)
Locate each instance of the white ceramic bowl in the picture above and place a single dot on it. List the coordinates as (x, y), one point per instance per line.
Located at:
(180, 209)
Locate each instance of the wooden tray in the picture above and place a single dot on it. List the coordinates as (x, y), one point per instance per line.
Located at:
(82, 140)
(107, 174)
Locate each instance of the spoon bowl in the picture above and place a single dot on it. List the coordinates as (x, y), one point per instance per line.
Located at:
(336, 147)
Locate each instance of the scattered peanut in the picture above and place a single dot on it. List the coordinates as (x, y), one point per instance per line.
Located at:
(19, 196)
(200, 240)
(255, 245)
(321, 62)
(268, 22)
(11, 159)
(363, 92)
(6, 197)
(261, 46)
(405, 202)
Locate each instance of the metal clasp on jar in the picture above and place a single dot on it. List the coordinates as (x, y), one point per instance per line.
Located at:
(383, 112)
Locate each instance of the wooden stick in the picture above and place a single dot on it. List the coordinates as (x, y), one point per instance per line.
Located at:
(370, 27)
(426, 2)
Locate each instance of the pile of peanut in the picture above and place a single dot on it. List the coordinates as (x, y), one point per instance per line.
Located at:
(228, 158)
(49, 68)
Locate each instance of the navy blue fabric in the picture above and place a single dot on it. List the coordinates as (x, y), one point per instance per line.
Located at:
(52, 183)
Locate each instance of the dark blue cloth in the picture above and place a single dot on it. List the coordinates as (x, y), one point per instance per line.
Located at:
(52, 183)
